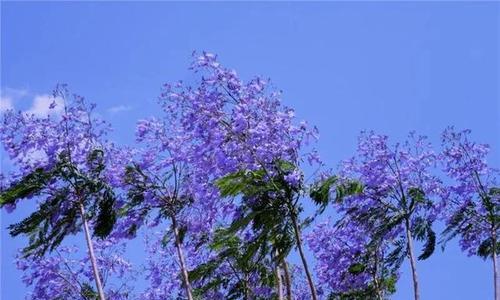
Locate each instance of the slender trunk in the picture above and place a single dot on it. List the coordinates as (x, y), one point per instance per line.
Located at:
(495, 276)
(288, 281)
(413, 264)
(279, 284)
(182, 262)
(247, 296)
(93, 260)
(495, 265)
(296, 230)
(378, 290)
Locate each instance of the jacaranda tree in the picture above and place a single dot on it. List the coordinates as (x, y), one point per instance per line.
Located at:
(246, 141)
(60, 163)
(396, 198)
(472, 200)
(158, 183)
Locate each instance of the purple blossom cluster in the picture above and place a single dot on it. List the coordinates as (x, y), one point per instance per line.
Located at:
(234, 125)
(162, 267)
(389, 172)
(33, 141)
(337, 248)
(67, 273)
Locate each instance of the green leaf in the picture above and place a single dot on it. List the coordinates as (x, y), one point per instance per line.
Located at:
(390, 283)
(232, 184)
(106, 217)
(430, 244)
(419, 228)
(29, 185)
(96, 161)
(59, 214)
(396, 257)
(357, 268)
(417, 195)
(213, 284)
(485, 249)
(241, 223)
(235, 183)
(386, 226)
(88, 292)
(454, 226)
(346, 189)
(204, 270)
(285, 166)
(182, 232)
(320, 192)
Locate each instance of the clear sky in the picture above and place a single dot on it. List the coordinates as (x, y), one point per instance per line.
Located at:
(389, 66)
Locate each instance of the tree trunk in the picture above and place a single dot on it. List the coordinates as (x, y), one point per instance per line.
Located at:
(495, 265)
(288, 281)
(495, 276)
(378, 290)
(182, 262)
(296, 230)
(247, 294)
(413, 264)
(93, 260)
(279, 284)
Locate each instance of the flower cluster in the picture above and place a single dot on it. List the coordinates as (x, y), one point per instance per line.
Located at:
(397, 181)
(235, 125)
(336, 250)
(67, 273)
(33, 141)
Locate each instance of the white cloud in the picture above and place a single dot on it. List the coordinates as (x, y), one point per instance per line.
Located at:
(5, 103)
(119, 108)
(9, 96)
(15, 93)
(42, 103)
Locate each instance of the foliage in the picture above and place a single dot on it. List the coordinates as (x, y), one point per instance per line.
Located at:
(59, 214)
(231, 269)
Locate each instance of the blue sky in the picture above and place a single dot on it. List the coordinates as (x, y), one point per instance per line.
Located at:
(345, 67)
